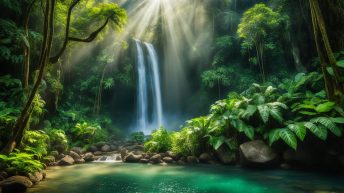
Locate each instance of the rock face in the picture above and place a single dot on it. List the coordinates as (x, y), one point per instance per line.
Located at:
(15, 184)
(155, 159)
(132, 158)
(105, 148)
(257, 154)
(225, 156)
(66, 161)
(204, 158)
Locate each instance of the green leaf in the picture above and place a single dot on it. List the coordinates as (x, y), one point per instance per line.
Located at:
(329, 124)
(249, 132)
(330, 71)
(325, 107)
(318, 131)
(340, 63)
(289, 138)
(264, 112)
(273, 136)
(299, 130)
(216, 142)
(339, 120)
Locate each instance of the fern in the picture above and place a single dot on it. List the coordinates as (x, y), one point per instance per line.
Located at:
(319, 131)
(329, 124)
(288, 137)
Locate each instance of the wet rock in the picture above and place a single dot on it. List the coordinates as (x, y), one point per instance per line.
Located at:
(163, 164)
(192, 160)
(36, 177)
(168, 159)
(172, 155)
(80, 161)
(257, 154)
(105, 148)
(143, 160)
(98, 153)
(155, 158)
(124, 153)
(66, 161)
(204, 158)
(225, 156)
(99, 145)
(180, 162)
(74, 155)
(88, 157)
(15, 184)
(113, 147)
(132, 158)
(137, 152)
(77, 150)
(92, 148)
(60, 156)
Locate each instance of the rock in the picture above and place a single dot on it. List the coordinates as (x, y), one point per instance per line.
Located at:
(301, 157)
(74, 155)
(138, 152)
(155, 158)
(180, 162)
(225, 156)
(192, 160)
(3, 175)
(143, 160)
(66, 161)
(15, 184)
(80, 161)
(97, 153)
(163, 164)
(257, 154)
(36, 177)
(163, 154)
(105, 148)
(88, 157)
(172, 155)
(168, 159)
(77, 150)
(99, 145)
(60, 156)
(132, 158)
(54, 153)
(113, 147)
(92, 148)
(48, 159)
(124, 153)
(204, 158)
(53, 164)
(135, 147)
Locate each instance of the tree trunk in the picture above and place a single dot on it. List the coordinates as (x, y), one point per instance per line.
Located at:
(45, 51)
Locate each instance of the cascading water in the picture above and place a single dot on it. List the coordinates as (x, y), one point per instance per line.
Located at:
(148, 71)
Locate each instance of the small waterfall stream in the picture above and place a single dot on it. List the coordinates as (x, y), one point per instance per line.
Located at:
(149, 100)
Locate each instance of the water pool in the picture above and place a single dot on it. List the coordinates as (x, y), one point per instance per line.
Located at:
(139, 178)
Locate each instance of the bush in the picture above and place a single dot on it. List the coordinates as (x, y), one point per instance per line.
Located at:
(58, 140)
(19, 163)
(86, 134)
(137, 137)
(160, 141)
(35, 143)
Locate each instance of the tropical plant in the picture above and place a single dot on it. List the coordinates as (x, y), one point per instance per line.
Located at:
(19, 163)
(159, 142)
(35, 143)
(138, 137)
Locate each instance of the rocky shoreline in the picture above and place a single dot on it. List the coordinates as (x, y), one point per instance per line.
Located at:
(253, 154)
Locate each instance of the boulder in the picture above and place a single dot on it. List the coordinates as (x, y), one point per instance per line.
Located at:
(99, 145)
(97, 153)
(180, 162)
(163, 164)
(204, 158)
(92, 148)
(132, 158)
(124, 153)
(74, 155)
(48, 159)
(172, 155)
(168, 159)
(105, 148)
(192, 160)
(66, 161)
(80, 161)
(135, 147)
(257, 154)
(54, 153)
(3, 175)
(113, 147)
(88, 157)
(36, 177)
(15, 184)
(225, 156)
(60, 156)
(143, 160)
(155, 158)
(77, 150)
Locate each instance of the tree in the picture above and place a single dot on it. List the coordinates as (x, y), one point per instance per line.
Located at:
(106, 11)
(255, 28)
(332, 76)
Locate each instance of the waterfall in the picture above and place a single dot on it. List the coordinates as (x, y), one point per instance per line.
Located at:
(148, 94)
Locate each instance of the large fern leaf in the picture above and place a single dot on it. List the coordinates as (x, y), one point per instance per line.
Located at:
(329, 124)
(273, 136)
(264, 112)
(299, 129)
(288, 137)
(319, 131)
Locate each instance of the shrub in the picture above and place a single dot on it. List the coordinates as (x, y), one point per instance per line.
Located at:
(19, 163)
(160, 141)
(35, 143)
(86, 133)
(58, 140)
(137, 137)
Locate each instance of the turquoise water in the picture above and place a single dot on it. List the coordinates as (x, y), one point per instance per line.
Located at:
(139, 178)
